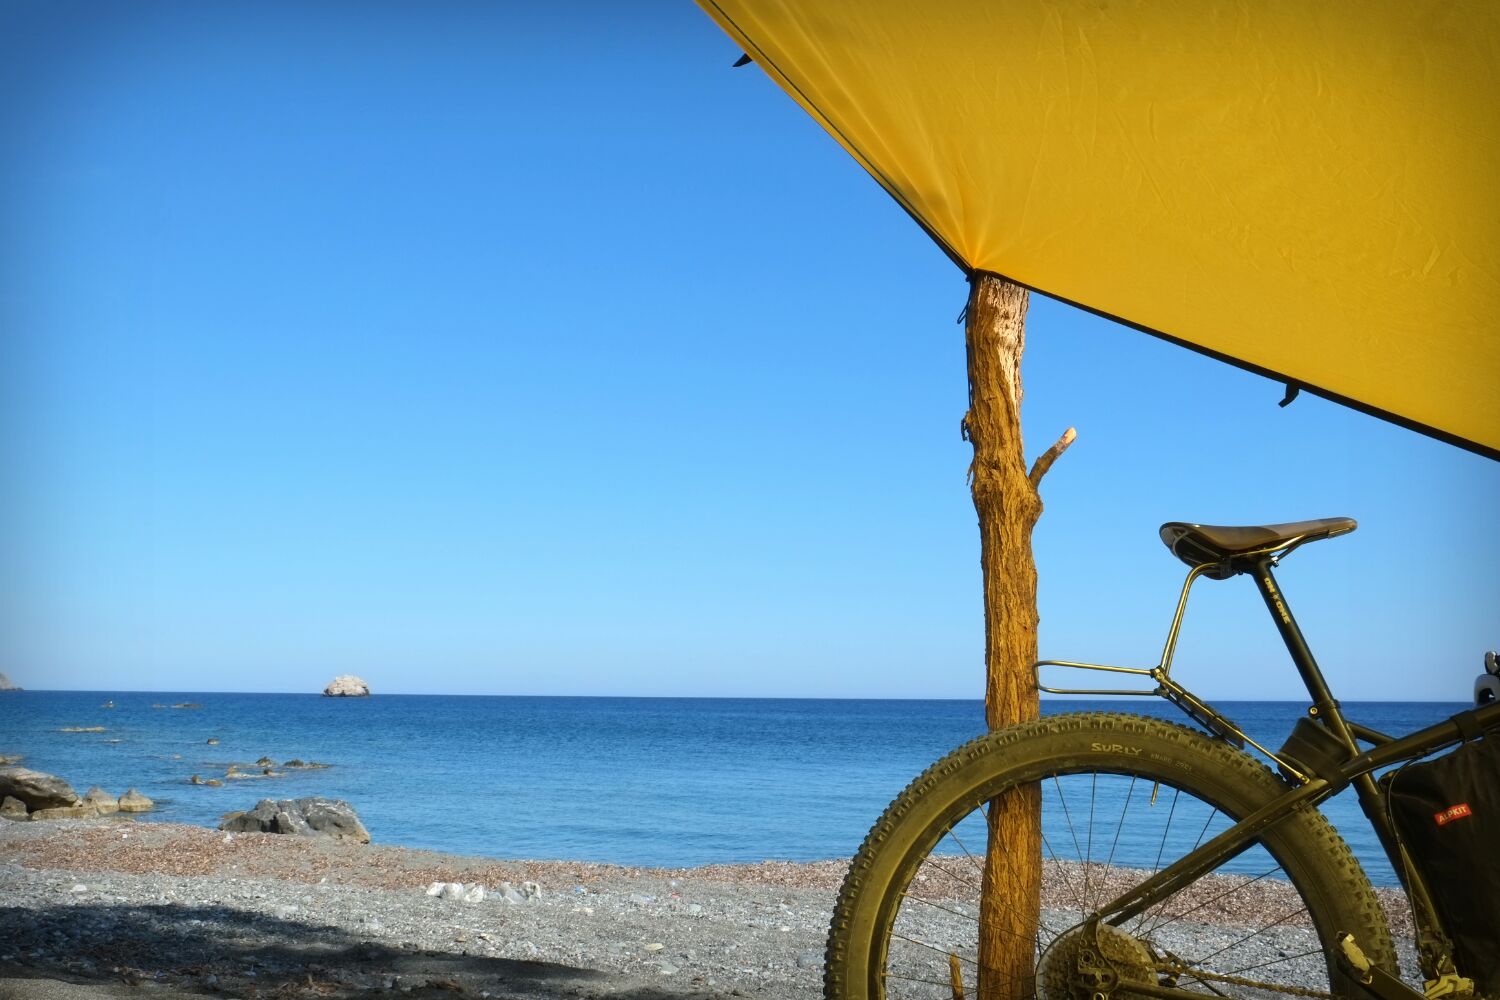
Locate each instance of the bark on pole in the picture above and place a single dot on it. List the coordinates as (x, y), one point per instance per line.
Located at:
(1008, 505)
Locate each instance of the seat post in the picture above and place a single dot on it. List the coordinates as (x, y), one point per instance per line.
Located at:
(1324, 705)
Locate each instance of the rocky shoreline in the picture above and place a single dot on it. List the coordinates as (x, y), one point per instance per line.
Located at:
(186, 910)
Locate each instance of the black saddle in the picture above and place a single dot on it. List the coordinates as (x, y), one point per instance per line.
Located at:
(1211, 544)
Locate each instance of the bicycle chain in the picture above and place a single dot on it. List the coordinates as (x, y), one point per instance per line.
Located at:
(1175, 969)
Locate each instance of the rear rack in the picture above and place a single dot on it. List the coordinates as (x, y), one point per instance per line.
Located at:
(1195, 708)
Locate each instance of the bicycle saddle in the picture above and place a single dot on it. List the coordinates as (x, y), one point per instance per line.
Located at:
(1202, 544)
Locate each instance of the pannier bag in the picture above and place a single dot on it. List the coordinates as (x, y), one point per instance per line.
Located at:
(1447, 813)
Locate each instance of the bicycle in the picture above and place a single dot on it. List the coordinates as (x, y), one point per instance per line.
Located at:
(1230, 881)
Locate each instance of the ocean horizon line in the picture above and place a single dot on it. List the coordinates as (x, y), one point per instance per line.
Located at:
(1048, 699)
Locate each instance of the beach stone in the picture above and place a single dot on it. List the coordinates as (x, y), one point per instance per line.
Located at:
(303, 817)
(12, 808)
(79, 811)
(101, 800)
(334, 817)
(134, 802)
(474, 895)
(290, 822)
(261, 819)
(435, 889)
(347, 686)
(453, 890)
(37, 790)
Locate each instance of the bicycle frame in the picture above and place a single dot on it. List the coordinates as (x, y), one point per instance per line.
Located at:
(1433, 945)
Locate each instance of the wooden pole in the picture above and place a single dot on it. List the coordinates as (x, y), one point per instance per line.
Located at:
(1008, 504)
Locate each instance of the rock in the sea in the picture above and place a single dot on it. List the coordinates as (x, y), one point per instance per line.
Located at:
(37, 790)
(213, 741)
(264, 762)
(308, 817)
(347, 686)
(12, 808)
(214, 783)
(6, 685)
(83, 729)
(102, 802)
(14, 758)
(134, 802)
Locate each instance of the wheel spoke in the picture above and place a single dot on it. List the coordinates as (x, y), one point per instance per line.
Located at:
(1250, 916)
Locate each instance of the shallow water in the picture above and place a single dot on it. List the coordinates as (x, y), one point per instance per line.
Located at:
(656, 781)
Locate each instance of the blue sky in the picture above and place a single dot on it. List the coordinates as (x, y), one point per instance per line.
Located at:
(530, 349)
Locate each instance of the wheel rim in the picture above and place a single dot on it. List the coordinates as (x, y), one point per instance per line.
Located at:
(1242, 931)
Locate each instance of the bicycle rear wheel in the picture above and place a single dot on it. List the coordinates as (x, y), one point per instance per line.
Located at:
(1122, 796)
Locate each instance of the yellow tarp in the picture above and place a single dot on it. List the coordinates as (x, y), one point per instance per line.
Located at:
(1307, 188)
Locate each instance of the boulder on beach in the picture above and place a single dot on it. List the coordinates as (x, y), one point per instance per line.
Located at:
(311, 816)
(102, 802)
(80, 811)
(12, 808)
(6, 685)
(35, 789)
(134, 802)
(347, 686)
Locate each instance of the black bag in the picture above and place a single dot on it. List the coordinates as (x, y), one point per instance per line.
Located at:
(1447, 813)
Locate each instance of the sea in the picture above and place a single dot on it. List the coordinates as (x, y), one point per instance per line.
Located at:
(636, 781)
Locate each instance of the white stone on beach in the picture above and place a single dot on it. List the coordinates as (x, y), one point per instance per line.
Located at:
(474, 895)
(435, 889)
(655, 946)
(453, 890)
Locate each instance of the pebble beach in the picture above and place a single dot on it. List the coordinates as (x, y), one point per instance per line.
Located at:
(184, 910)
